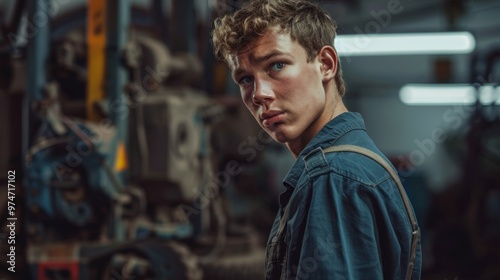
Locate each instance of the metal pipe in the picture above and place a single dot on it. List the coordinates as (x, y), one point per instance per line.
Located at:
(37, 53)
(117, 30)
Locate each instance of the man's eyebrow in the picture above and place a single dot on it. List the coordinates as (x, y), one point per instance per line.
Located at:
(259, 59)
(265, 57)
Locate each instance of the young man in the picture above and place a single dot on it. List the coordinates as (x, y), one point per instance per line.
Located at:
(342, 215)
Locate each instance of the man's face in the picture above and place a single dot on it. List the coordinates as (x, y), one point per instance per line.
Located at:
(283, 91)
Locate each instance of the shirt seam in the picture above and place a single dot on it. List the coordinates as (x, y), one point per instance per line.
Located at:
(351, 176)
(345, 132)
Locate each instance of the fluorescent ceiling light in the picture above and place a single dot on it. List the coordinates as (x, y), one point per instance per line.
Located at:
(458, 94)
(405, 43)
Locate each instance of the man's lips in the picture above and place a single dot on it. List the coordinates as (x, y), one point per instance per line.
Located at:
(271, 117)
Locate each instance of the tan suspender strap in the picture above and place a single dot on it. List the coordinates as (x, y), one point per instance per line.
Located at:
(402, 192)
(283, 221)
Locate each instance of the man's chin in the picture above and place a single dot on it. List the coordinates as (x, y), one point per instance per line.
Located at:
(281, 134)
(280, 138)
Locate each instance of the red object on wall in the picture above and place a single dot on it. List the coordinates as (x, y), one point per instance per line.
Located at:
(71, 267)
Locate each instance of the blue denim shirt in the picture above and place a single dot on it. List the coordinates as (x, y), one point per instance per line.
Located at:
(347, 219)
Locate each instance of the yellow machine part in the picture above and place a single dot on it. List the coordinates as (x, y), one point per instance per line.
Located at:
(121, 161)
(96, 38)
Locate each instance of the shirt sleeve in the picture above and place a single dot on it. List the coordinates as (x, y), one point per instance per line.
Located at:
(338, 232)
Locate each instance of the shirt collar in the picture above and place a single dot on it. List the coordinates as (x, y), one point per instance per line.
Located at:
(325, 138)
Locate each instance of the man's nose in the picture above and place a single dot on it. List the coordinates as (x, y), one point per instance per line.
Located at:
(262, 92)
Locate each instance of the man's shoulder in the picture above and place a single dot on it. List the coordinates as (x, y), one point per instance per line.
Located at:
(346, 164)
(355, 166)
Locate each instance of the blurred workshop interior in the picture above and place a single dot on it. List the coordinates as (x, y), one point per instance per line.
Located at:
(126, 152)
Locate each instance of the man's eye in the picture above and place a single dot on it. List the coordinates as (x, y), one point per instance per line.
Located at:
(277, 66)
(246, 80)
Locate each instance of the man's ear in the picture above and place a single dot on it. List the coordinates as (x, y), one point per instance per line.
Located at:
(329, 61)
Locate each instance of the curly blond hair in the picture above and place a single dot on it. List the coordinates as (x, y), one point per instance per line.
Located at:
(306, 22)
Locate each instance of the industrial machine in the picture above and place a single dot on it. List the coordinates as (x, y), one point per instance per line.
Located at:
(118, 176)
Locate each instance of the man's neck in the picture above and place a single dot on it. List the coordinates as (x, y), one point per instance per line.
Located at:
(299, 144)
